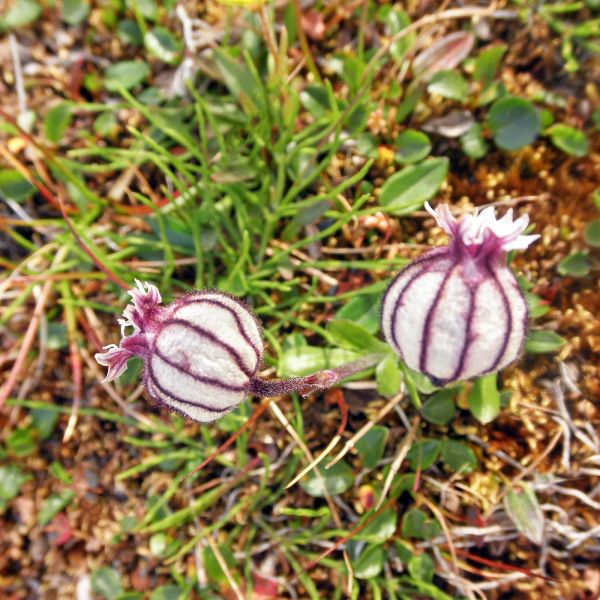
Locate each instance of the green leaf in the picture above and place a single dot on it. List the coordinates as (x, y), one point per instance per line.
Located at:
(449, 84)
(315, 98)
(421, 567)
(486, 64)
(57, 122)
(473, 143)
(127, 73)
(458, 456)
(439, 408)
(334, 481)
(570, 140)
(305, 216)
(542, 341)
(370, 562)
(546, 118)
(577, 264)
(537, 307)
(416, 524)
(44, 420)
(403, 483)
(591, 233)
(107, 583)
(75, 11)
(53, 505)
(421, 381)
(147, 8)
(21, 442)
(305, 360)
(589, 28)
(412, 186)
(162, 44)
(58, 471)
(353, 336)
(364, 310)
(397, 19)
(484, 399)
(388, 376)
(412, 146)
(213, 568)
(423, 454)
(21, 13)
(240, 81)
(130, 33)
(414, 92)
(380, 529)
(371, 446)
(168, 592)
(523, 508)
(11, 481)
(514, 122)
(106, 125)
(58, 336)
(14, 186)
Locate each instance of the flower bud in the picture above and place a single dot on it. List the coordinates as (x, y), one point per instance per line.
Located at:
(200, 353)
(458, 312)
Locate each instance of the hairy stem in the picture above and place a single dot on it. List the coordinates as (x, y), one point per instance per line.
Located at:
(320, 380)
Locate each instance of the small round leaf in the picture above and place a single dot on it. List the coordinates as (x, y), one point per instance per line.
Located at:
(458, 456)
(412, 146)
(439, 408)
(514, 122)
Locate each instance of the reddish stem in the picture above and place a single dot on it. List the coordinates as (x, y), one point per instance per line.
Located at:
(267, 388)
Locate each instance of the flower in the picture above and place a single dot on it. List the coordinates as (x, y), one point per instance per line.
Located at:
(202, 353)
(458, 312)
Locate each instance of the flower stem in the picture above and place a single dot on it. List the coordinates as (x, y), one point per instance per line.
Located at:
(320, 380)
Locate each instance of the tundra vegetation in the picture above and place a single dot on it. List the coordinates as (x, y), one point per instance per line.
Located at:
(276, 159)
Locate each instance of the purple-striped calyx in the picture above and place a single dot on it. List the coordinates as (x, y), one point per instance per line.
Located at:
(458, 312)
(202, 353)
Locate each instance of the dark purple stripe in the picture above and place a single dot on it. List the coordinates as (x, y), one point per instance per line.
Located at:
(154, 381)
(235, 355)
(200, 378)
(429, 319)
(470, 315)
(240, 325)
(394, 316)
(419, 262)
(429, 255)
(509, 318)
